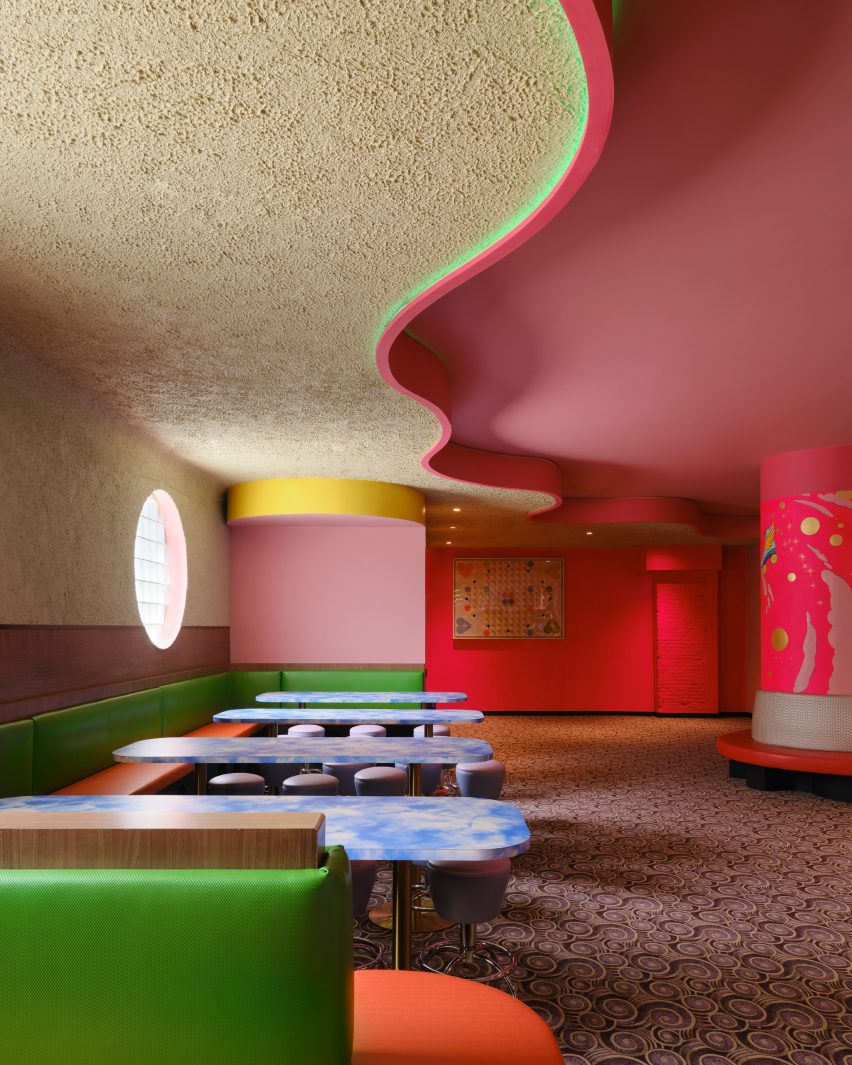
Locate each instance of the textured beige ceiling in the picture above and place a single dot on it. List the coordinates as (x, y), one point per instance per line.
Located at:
(484, 523)
(210, 207)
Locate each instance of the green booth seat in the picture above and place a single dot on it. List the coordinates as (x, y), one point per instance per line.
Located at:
(78, 742)
(355, 680)
(189, 704)
(16, 758)
(228, 967)
(196, 966)
(244, 686)
(64, 747)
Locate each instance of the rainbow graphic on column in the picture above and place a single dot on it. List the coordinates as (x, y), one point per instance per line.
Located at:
(768, 544)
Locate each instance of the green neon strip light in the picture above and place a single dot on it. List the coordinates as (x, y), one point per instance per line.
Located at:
(579, 104)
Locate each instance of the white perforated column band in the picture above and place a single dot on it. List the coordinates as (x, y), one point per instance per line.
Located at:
(813, 722)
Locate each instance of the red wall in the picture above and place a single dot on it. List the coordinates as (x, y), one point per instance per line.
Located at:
(603, 663)
(739, 628)
(606, 660)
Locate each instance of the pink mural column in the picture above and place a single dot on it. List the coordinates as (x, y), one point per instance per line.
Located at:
(806, 594)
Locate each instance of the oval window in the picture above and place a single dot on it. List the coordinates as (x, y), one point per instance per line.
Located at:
(159, 561)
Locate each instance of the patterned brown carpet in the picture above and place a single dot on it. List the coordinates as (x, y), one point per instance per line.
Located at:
(666, 915)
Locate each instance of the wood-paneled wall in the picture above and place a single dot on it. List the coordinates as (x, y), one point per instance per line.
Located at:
(46, 667)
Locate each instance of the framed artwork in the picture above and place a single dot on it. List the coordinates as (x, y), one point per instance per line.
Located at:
(508, 599)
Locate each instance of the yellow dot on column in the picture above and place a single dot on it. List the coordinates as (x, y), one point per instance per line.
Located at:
(779, 639)
(774, 559)
(835, 540)
(810, 526)
(782, 505)
(791, 576)
(763, 568)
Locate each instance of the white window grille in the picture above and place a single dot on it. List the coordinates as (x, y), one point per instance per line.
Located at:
(159, 565)
(151, 565)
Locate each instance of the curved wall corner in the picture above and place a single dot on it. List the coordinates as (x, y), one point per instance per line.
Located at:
(806, 597)
(324, 500)
(327, 571)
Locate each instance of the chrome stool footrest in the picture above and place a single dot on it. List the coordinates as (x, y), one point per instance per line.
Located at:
(448, 784)
(485, 963)
(367, 955)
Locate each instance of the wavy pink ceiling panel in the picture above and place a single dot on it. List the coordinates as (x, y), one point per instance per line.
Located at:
(415, 371)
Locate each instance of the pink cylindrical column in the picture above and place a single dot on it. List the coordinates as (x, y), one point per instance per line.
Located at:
(806, 592)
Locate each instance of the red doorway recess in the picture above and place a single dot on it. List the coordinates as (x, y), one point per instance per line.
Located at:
(686, 643)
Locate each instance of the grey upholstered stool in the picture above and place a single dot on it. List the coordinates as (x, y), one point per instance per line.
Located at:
(273, 772)
(310, 784)
(470, 893)
(381, 780)
(427, 773)
(236, 784)
(306, 730)
(367, 955)
(437, 730)
(345, 773)
(481, 780)
(430, 776)
(368, 730)
(363, 879)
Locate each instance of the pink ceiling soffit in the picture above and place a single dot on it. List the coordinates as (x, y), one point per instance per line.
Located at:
(414, 370)
(658, 510)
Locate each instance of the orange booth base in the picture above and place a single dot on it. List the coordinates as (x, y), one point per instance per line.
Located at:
(771, 768)
(416, 1018)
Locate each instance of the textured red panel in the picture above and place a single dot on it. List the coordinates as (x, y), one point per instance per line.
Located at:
(685, 647)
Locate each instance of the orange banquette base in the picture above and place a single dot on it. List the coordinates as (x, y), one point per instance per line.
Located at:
(414, 1018)
(148, 778)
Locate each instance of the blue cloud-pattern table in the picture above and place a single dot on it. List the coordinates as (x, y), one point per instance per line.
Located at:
(427, 701)
(203, 750)
(377, 828)
(430, 699)
(327, 715)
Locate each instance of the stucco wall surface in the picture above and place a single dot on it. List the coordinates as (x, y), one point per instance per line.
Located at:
(73, 479)
(217, 206)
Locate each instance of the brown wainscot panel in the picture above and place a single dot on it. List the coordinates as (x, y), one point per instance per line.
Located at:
(46, 667)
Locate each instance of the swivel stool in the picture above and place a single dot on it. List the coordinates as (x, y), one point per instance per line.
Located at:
(437, 730)
(481, 780)
(310, 784)
(368, 730)
(470, 893)
(381, 780)
(430, 776)
(345, 773)
(306, 730)
(271, 773)
(236, 784)
(367, 955)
